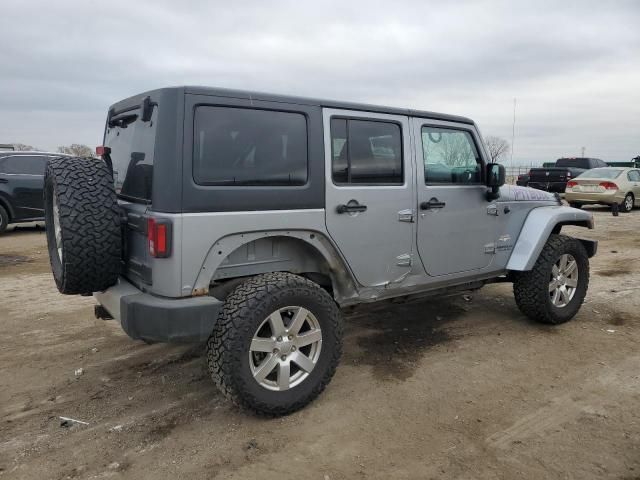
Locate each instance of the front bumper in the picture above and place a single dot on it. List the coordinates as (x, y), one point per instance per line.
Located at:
(159, 319)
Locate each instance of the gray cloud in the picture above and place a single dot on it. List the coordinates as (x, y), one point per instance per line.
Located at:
(574, 66)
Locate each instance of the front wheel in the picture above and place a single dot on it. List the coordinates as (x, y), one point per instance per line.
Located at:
(553, 291)
(276, 344)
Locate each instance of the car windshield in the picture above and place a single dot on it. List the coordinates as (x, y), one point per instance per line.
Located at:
(609, 173)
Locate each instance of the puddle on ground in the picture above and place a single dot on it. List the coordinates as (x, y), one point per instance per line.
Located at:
(401, 336)
(10, 260)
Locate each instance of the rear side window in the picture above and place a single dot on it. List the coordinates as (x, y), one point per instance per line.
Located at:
(24, 164)
(243, 146)
(366, 152)
(634, 176)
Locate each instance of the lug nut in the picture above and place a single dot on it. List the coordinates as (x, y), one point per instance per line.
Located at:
(284, 357)
(290, 337)
(293, 348)
(279, 339)
(275, 350)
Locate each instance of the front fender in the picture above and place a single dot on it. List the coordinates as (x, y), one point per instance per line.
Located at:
(540, 223)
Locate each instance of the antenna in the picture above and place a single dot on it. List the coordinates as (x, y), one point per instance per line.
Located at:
(513, 130)
(582, 155)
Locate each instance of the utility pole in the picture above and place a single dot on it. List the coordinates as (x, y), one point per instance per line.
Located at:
(513, 130)
(582, 155)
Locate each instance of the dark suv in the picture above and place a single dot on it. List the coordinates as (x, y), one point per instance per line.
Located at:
(21, 184)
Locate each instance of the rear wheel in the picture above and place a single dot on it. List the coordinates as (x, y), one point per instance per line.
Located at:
(553, 291)
(276, 344)
(4, 219)
(627, 204)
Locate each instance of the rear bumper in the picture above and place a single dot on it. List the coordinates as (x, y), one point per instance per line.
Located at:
(158, 319)
(606, 198)
(557, 187)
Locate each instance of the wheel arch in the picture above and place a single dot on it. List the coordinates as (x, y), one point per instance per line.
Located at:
(539, 225)
(310, 254)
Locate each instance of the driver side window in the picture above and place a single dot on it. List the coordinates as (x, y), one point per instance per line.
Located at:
(450, 157)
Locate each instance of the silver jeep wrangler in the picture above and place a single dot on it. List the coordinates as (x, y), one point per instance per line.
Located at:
(248, 221)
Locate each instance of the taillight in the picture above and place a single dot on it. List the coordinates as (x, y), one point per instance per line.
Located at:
(571, 184)
(609, 185)
(159, 237)
(102, 150)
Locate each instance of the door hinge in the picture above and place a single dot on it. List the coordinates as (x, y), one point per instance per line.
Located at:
(490, 248)
(406, 216)
(404, 260)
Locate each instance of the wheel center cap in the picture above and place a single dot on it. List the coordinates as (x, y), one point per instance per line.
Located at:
(285, 346)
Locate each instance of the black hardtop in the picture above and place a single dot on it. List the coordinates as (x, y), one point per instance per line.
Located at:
(135, 100)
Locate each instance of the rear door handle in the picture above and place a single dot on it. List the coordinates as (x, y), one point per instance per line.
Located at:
(351, 207)
(432, 204)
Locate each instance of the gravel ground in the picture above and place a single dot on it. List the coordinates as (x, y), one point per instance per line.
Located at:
(454, 388)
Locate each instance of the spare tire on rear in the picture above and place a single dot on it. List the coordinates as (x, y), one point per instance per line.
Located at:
(83, 224)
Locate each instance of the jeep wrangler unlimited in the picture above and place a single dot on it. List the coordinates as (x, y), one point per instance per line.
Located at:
(248, 221)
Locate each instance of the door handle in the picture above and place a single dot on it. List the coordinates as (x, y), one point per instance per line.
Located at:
(4, 180)
(432, 204)
(351, 207)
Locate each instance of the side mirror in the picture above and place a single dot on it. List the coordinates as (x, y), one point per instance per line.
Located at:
(495, 179)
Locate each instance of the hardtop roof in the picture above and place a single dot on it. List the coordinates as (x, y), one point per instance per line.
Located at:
(271, 97)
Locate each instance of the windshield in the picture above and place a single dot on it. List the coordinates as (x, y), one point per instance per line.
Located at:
(132, 144)
(608, 173)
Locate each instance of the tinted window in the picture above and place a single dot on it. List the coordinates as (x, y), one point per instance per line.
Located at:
(576, 162)
(366, 152)
(24, 164)
(634, 176)
(450, 156)
(241, 146)
(132, 144)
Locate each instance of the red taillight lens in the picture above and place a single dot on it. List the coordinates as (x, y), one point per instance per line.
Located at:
(609, 185)
(571, 184)
(102, 150)
(159, 237)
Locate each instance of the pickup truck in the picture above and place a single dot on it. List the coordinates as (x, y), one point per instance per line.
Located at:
(554, 179)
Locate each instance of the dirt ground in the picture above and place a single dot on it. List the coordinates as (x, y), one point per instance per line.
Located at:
(455, 388)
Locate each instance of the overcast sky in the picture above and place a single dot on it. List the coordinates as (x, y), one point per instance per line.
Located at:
(574, 66)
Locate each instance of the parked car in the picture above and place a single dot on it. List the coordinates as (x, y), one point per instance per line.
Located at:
(249, 220)
(21, 184)
(605, 186)
(6, 147)
(554, 179)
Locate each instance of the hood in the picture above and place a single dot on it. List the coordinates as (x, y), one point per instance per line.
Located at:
(514, 193)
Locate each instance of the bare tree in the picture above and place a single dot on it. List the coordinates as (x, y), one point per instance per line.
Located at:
(497, 147)
(77, 150)
(455, 150)
(23, 148)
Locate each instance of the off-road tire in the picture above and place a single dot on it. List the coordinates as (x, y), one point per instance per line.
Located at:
(4, 219)
(627, 205)
(89, 220)
(575, 205)
(244, 310)
(531, 288)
